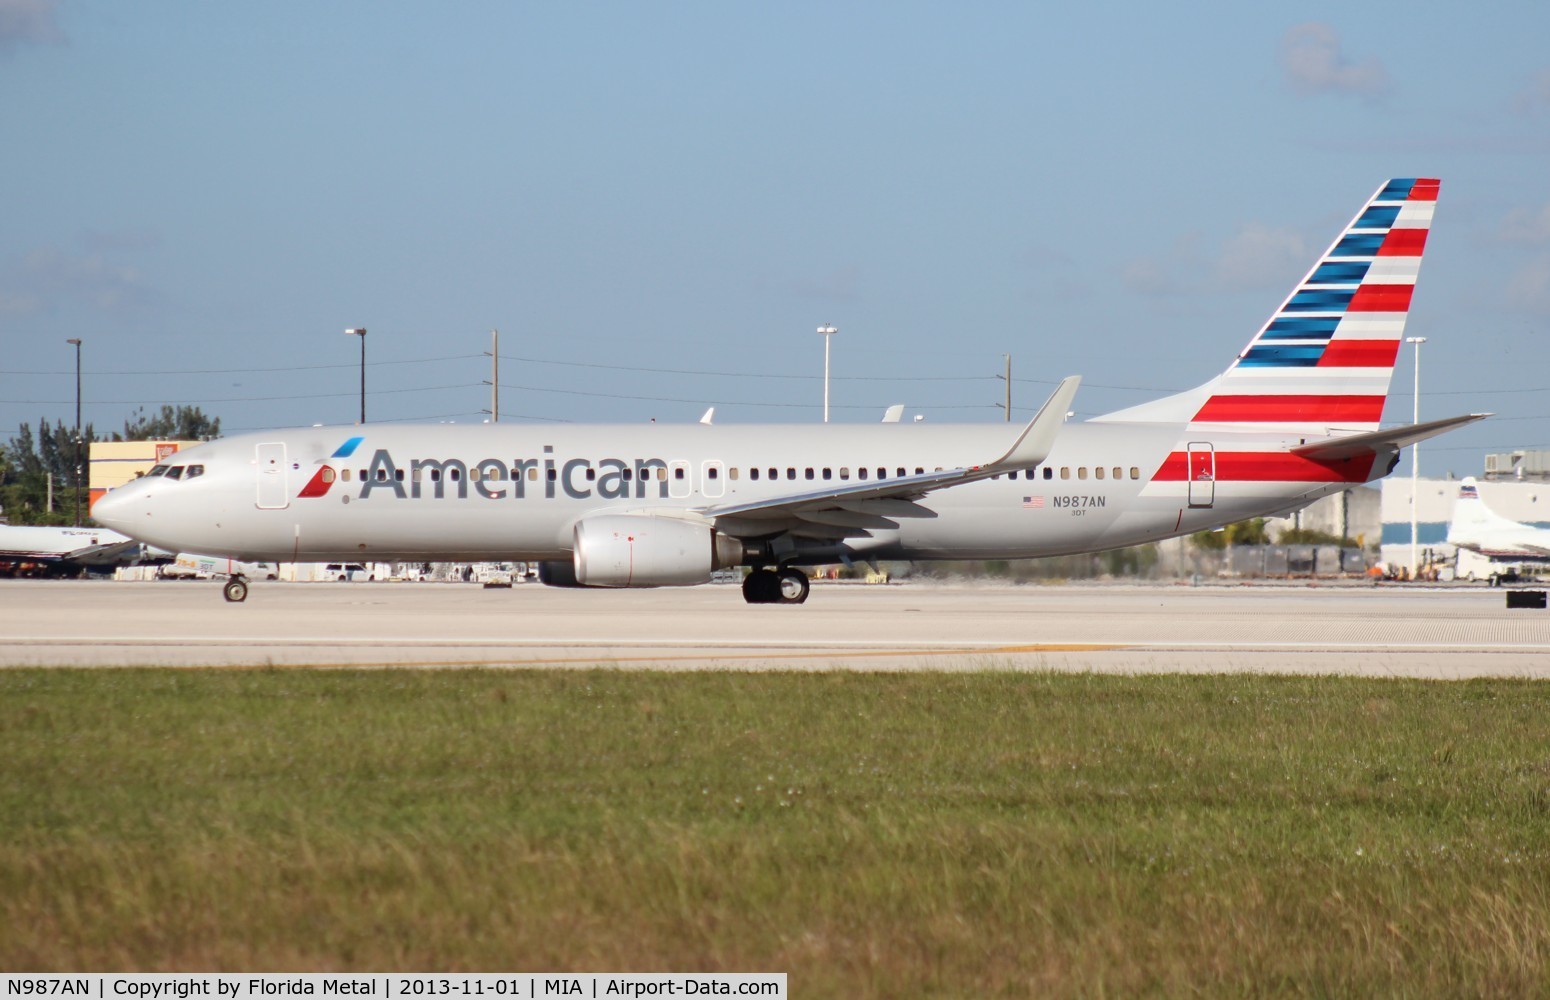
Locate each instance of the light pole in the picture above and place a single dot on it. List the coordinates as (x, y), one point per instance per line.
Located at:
(75, 487)
(360, 331)
(1415, 461)
(827, 331)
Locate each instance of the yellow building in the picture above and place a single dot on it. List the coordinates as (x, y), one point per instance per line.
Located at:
(114, 463)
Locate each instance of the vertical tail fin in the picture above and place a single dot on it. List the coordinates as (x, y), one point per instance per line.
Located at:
(1323, 361)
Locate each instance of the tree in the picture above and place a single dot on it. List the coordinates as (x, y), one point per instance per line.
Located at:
(36, 468)
(181, 423)
(32, 467)
(1250, 532)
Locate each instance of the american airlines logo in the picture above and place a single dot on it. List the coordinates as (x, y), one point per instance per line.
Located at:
(494, 478)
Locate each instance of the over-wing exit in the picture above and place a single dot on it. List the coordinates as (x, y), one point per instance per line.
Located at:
(1293, 418)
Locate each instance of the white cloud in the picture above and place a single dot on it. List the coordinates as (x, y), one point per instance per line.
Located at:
(1151, 276)
(1312, 59)
(1529, 288)
(28, 22)
(1255, 257)
(1258, 256)
(1526, 225)
(1535, 98)
(50, 278)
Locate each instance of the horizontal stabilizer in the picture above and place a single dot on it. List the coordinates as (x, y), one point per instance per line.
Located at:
(1393, 439)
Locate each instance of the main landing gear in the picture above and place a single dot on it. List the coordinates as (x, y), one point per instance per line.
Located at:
(784, 586)
(236, 589)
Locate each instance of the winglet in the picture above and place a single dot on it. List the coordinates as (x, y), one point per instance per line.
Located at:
(1033, 445)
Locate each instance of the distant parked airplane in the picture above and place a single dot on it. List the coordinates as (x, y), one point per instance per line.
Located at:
(66, 548)
(1478, 528)
(1293, 418)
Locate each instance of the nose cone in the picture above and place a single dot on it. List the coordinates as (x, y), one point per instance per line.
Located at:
(123, 509)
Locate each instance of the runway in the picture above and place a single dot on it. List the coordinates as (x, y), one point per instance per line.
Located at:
(1436, 633)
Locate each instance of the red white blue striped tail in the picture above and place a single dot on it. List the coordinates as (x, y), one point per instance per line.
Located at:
(1323, 362)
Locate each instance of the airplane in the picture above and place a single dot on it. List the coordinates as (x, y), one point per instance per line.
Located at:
(1294, 417)
(1480, 529)
(65, 549)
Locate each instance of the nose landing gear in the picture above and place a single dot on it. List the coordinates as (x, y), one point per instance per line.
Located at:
(784, 586)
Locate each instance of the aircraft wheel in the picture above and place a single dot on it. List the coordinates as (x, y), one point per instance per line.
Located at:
(236, 589)
(761, 586)
(794, 586)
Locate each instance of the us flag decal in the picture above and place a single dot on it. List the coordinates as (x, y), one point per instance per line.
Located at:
(1033, 502)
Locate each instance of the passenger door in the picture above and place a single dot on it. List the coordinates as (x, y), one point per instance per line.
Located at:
(1202, 474)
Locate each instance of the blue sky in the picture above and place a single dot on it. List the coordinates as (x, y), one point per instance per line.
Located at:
(657, 204)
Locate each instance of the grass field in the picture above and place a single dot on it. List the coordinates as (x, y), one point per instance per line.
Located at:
(880, 835)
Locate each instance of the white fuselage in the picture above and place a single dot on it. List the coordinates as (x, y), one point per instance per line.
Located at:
(516, 492)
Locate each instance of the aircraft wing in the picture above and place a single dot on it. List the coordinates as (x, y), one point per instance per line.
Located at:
(1394, 438)
(86, 555)
(859, 506)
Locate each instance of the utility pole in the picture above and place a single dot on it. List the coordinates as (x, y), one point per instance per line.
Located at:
(76, 484)
(1415, 462)
(1008, 388)
(495, 376)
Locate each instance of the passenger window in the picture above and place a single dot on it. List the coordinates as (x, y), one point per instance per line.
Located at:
(828, 473)
(1119, 473)
(678, 473)
(732, 472)
(1098, 472)
(398, 475)
(919, 471)
(774, 473)
(627, 474)
(532, 474)
(435, 475)
(344, 474)
(662, 474)
(861, 472)
(553, 475)
(591, 475)
(381, 475)
(712, 473)
(455, 475)
(809, 472)
(882, 473)
(791, 473)
(1082, 472)
(1065, 472)
(753, 473)
(1049, 473)
(473, 475)
(328, 473)
(1135, 473)
(844, 472)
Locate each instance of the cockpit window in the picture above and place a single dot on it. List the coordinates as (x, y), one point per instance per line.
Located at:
(176, 472)
(194, 470)
(160, 470)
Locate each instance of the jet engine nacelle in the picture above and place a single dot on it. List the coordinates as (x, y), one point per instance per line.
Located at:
(636, 550)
